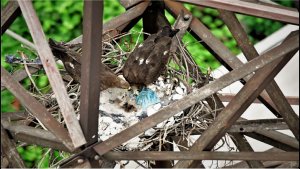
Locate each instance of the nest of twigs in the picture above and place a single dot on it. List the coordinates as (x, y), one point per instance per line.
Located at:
(182, 67)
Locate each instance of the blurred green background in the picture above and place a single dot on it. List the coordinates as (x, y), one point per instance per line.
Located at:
(62, 21)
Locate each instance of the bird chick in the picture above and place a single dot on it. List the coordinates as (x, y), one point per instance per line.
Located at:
(71, 61)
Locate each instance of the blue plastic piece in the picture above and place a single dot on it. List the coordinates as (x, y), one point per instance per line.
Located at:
(146, 98)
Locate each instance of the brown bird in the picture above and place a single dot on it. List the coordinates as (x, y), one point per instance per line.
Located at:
(71, 61)
(145, 64)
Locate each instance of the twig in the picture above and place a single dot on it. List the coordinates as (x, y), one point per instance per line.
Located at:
(29, 74)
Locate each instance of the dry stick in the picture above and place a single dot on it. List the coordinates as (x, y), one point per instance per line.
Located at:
(29, 74)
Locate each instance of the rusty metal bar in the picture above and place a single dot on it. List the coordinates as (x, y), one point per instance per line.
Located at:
(281, 137)
(9, 149)
(276, 139)
(129, 3)
(33, 135)
(237, 106)
(291, 164)
(222, 53)
(287, 112)
(264, 11)
(244, 146)
(120, 20)
(126, 17)
(90, 81)
(8, 14)
(198, 95)
(52, 72)
(22, 74)
(238, 138)
(254, 125)
(248, 126)
(182, 23)
(187, 155)
(267, 164)
(225, 97)
(250, 53)
(273, 4)
(36, 108)
(20, 39)
(11, 116)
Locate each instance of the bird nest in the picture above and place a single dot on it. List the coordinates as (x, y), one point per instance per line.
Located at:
(118, 110)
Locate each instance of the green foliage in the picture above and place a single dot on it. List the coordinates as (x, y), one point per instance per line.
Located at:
(39, 157)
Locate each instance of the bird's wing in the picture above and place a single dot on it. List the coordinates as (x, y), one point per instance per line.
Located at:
(157, 60)
(148, 60)
(132, 67)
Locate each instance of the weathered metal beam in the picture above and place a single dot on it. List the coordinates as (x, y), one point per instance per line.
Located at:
(254, 125)
(276, 139)
(22, 74)
(221, 52)
(90, 81)
(291, 164)
(287, 112)
(11, 116)
(126, 17)
(281, 137)
(8, 14)
(272, 4)
(264, 11)
(182, 23)
(250, 53)
(8, 147)
(239, 139)
(267, 164)
(248, 126)
(20, 39)
(187, 155)
(197, 95)
(33, 135)
(120, 20)
(52, 72)
(237, 106)
(36, 109)
(226, 97)
(129, 3)
(244, 146)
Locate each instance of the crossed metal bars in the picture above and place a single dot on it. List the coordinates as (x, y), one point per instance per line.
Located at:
(81, 137)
